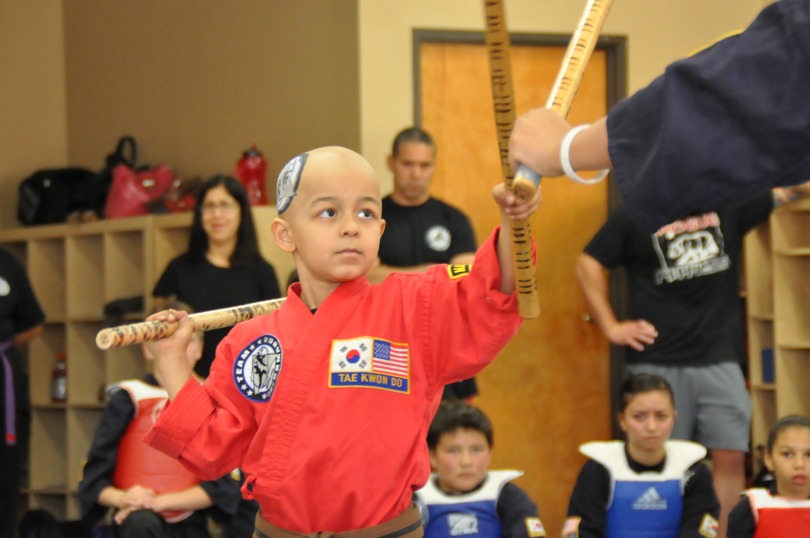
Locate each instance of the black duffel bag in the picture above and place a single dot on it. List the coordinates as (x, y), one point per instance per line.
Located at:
(49, 196)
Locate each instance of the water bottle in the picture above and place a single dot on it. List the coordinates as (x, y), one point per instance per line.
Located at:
(251, 170)
(59, 379)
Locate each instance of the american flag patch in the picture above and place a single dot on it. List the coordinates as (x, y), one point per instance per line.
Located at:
(389, 358)
(370, 362)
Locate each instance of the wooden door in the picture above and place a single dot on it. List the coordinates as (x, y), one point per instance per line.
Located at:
(548, 391)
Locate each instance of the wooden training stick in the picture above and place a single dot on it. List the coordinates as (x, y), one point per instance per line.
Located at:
(526, 181)
(136, 333)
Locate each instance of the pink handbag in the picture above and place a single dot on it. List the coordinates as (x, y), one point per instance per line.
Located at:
(132, 189)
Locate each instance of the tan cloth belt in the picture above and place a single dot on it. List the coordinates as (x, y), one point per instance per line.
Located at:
(405, 525)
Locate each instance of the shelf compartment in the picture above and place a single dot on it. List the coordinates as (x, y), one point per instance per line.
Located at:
(764, 415)
(18, 249)
(760, 351)
(125, 362)
(42, 353)
(124, 265)
(85, 262)
(81, 424)
(792, 373)
(85, 362)
(53, 502)
(792, 295)
(790, 224)
(48, 440)
(759, 272)
(46, 259)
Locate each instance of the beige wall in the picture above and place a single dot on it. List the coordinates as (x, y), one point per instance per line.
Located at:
(658, 31)
(198, 81)
(195, 81)
(33, 123)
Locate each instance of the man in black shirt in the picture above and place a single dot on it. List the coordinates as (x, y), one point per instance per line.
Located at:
(420, 230)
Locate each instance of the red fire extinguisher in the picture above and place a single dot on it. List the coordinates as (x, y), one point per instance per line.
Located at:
(251, 170)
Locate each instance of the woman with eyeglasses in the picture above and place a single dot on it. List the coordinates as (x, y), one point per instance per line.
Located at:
(223, 266)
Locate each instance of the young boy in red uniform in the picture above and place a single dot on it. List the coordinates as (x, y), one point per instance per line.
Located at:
(325, 403)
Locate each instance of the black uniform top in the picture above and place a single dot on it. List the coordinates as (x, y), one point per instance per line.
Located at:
(19, 312)
(100, 467)
(514, 506)
(684, 279)
(741, 522)
(589, 499)
(207, 287)
(433, 232)
(720, 126)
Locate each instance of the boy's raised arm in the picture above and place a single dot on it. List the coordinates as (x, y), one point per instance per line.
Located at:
(511, 208)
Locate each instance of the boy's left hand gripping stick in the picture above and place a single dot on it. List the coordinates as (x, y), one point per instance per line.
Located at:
(137, 333)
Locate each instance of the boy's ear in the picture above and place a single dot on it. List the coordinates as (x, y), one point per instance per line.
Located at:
(282, 235)
(382, 227)
(390, 162)
(434, 463)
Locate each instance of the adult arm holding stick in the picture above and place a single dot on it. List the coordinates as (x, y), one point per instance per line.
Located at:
(562, 95)
(714, 130)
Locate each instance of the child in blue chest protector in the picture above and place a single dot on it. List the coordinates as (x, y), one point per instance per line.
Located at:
(784, 509)
(648, 486)
(463, 497)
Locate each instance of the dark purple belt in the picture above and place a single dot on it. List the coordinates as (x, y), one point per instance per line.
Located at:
(11, 430)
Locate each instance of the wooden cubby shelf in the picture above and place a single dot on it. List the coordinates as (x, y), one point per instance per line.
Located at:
(777, 264)
(75, 270)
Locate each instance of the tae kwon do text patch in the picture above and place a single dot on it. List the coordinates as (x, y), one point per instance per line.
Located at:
(370, 362)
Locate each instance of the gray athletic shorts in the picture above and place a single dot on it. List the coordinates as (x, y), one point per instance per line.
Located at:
(714, 407)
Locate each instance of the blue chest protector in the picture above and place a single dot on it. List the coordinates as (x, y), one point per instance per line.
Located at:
(648, 504)
(472, 514)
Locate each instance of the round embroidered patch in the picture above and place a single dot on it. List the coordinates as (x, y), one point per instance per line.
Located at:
(438, 238)
(257, 368)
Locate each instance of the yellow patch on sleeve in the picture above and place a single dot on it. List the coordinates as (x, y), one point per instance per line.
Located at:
(458, 271)
(535, 527)
(571, 527)
(708, 526)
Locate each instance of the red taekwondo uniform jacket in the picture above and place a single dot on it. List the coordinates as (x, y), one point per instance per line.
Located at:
(327, 413)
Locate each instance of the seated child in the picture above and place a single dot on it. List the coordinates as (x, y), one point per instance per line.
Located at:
(325, 403)
(463, 497)
(648, 485)
(784, 509)
(153, 495)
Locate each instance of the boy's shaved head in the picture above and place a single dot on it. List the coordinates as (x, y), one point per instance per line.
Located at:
(317, 163)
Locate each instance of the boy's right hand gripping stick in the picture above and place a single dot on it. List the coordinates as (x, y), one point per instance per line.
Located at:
(137, 333)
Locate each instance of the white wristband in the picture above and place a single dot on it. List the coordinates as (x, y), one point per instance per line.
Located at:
(565, 158)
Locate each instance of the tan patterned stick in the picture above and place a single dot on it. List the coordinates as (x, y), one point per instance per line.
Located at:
(136, 333)
(526, 181)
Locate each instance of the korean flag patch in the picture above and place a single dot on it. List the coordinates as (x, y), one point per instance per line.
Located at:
(257, 367)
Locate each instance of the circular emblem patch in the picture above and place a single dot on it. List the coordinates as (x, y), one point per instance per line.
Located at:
(438, 238)
(257, 368)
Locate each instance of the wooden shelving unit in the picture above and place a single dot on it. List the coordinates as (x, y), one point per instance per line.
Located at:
(75, 269)
(777, 268)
